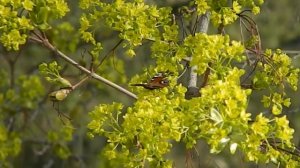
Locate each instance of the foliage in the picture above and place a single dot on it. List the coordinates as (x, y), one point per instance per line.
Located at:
(14, 102)
(135, 21)
(10, 145)
(144, 133)
(219, 115)
(51, 73)
(18, 18)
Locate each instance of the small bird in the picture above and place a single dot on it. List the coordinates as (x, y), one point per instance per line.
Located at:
(157, 82)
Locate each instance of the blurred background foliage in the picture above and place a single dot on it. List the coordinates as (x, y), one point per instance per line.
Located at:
(27, 109)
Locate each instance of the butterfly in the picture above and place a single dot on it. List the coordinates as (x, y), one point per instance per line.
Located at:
(156, 82)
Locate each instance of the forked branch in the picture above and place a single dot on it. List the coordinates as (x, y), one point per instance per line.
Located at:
(42, 39)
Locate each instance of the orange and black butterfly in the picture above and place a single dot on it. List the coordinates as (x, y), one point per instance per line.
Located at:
(157, 82)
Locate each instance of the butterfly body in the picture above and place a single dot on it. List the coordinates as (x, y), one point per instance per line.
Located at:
(157, 82)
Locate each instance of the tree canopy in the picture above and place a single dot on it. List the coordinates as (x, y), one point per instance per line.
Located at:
(132, 81)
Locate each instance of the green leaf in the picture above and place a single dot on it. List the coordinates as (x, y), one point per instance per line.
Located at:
(266, 100)
(42, 15)
(276, 109)
(287, 102)
(62, 151)
(28, 5)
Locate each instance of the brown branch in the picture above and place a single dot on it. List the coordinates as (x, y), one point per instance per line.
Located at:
(205, 76)
(11, 61)
(35, 39)
(284, 150)
(80, 82)
(48, 45)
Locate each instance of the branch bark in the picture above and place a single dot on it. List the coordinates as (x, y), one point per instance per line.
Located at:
(193, 90)
(47, 44)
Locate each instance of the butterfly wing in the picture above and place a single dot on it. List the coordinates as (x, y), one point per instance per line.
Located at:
(158, 81)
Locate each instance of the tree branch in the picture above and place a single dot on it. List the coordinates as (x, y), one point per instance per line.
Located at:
(193, 90)
(47, 44)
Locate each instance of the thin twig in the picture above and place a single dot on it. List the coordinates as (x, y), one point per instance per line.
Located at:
(182, 73)
(47, 44)
(205, 76)
(282, 149)
(184, 32)
(80, 82)
(11, 63)
(111, 51)
(246, 10)
(195, 25)
(35, 39)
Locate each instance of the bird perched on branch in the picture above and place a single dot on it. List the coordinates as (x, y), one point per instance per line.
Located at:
(157, 82)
